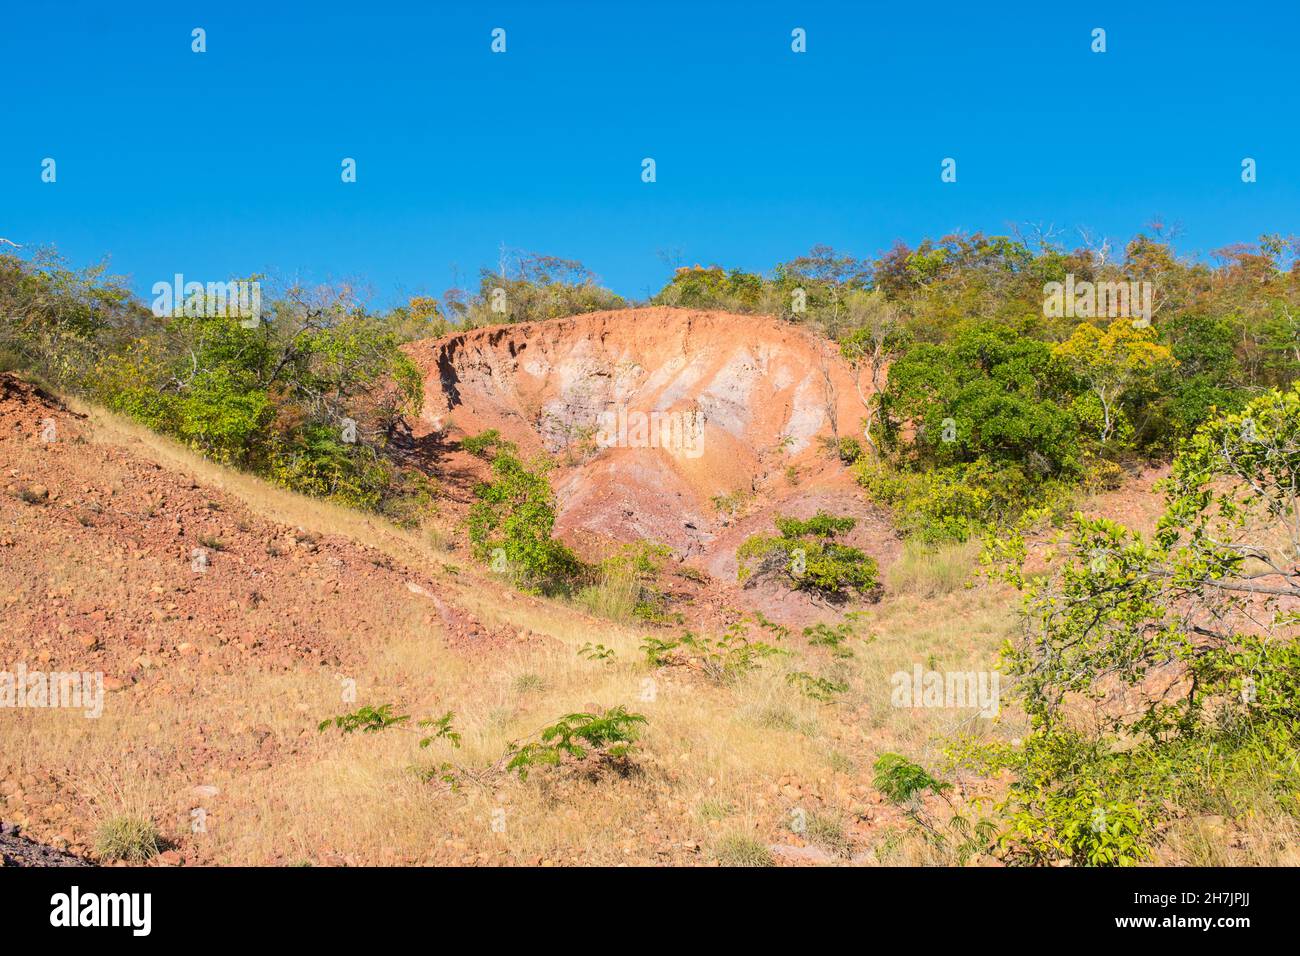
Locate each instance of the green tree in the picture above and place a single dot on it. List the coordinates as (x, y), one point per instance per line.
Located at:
(1119, 366)
(876, 339)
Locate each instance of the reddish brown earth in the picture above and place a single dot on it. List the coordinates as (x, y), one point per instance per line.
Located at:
(140, 565)
(770, 396)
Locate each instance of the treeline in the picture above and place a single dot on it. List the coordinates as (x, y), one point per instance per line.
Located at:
(980, 395)
(525, 287)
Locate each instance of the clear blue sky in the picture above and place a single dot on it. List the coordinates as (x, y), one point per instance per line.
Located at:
(228, 162)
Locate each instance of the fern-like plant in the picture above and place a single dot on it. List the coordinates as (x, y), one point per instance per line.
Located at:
(611, 734)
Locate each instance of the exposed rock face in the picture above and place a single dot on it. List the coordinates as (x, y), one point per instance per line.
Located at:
(652, 412)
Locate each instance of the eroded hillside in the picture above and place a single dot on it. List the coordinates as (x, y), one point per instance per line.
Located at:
(687, 428)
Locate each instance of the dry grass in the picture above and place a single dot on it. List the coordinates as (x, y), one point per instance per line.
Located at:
(614, 596)
(335, 798)
(926, 571)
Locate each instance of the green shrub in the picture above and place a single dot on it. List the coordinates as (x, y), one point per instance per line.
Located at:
(1116, 607)
(821, 689)
(731, 656)
(533, 287)
(306, 397)
(988, 395)
(596, 652)
(658, 651)
(487, 444)
(905, 784)
(371, 720)
(366, 719)
(724, 659)
(835, 638)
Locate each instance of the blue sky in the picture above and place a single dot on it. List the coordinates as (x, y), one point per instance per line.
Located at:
(228, 162)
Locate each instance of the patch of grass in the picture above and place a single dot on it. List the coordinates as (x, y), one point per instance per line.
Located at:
(625, 589)
(734, 503)
(711, 809)
(528, 684)
(134, 839)
(31, 496)
(693, 574)
(827, 831)
(932, 571)
(777, 716)
(740, 849)
(615, 594)
(840, 763)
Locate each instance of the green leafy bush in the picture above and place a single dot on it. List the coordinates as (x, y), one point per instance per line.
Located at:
(531, 287)
(905, 784)
(724, 659)
(487, 444)
(371, 720)
(807, 556)
(308, 396)
(821, 689)
(729, 657)
(834, 638)
(512, 522)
